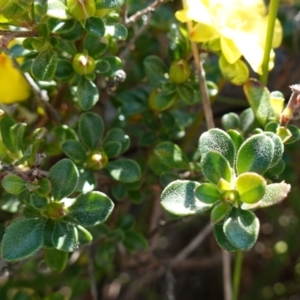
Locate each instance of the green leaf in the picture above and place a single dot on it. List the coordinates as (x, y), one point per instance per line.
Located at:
(208, 193)
(74, 150)
(87, 181)
(215, 166)
(48, 232)
(278, 148)
(22, 238)
(64, 70)
(171, 155)
(112, 149)
(241, 227)
(294, 130)
(124, 170)
(251, 187)
(134, 241)
(237, 138)
(65, 236)
(44, 187)
(16, 133)
(117, 135)
(237, 73)
(187, 93)
(58, 26)
(64, 178)
(179, 198)
(95, 26)
(102, 66)
(221, 238)
(57, 9)
(219, 141)
(258, 97)
(56, 260)
(87, 94)
(84, 235)
(75, 34)
(155, 70)
(248, 121)
(112, 4)
(160, 101)
(284, 134)
(230, 121)
(91, 209)
(90, 130)
(219, 212)
(6, 124)
(13, 184)
(38, 202)
(255, 154)
(275, 193)
(126, 222)
(119, 191)
(118, 31)
(44, 65)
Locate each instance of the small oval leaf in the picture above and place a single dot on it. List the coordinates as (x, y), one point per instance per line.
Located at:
(65, 236)
(91, 209)
(208, 193)
(64, 177)
(22, 238)
(179, 198)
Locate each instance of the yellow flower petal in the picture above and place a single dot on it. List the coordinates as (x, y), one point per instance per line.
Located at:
(13, 86)
(229, 50)
(203, 33)
(278, 34)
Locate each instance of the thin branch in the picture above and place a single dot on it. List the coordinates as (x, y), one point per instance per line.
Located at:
(192, 245)
(151, 8)
(91, 271)
(226, 275)
(16, 34)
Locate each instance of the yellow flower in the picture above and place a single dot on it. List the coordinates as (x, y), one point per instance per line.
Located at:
(240, 25)
(13, 85)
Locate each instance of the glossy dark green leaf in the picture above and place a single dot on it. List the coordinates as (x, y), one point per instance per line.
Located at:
(48, 232)
(6, 124)
(84, 235)
(58, 26)
(294, 130)
(22, 238)
(74, 150)
(96, 47)
(112, 149)
(160, 101)
(74, 34)
(248, 121)
(87, 94)
(44, 65)
(118, 31)
(117, 135)
(102, 66)
(95, 26)
(171, 155)
(38, 201)
(215, 166)
(64, 70)
(219, 141)
(155, 70)
(16, 133)
(258, 97)
(255, 154)
(91, 208)
(90, 129)
(87, 181)
(241, 227)
(65, 236)
(124, 170)
(179, 198)
(64, 178)
(56, 260)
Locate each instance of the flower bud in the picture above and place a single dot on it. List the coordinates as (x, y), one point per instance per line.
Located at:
(55, 211)
(81, 9)
(179, 71)
(97, 160)
(83, 64)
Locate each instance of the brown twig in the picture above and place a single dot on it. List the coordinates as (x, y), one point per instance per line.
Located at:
(145, 11)
(16, 34)
(226, 258)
